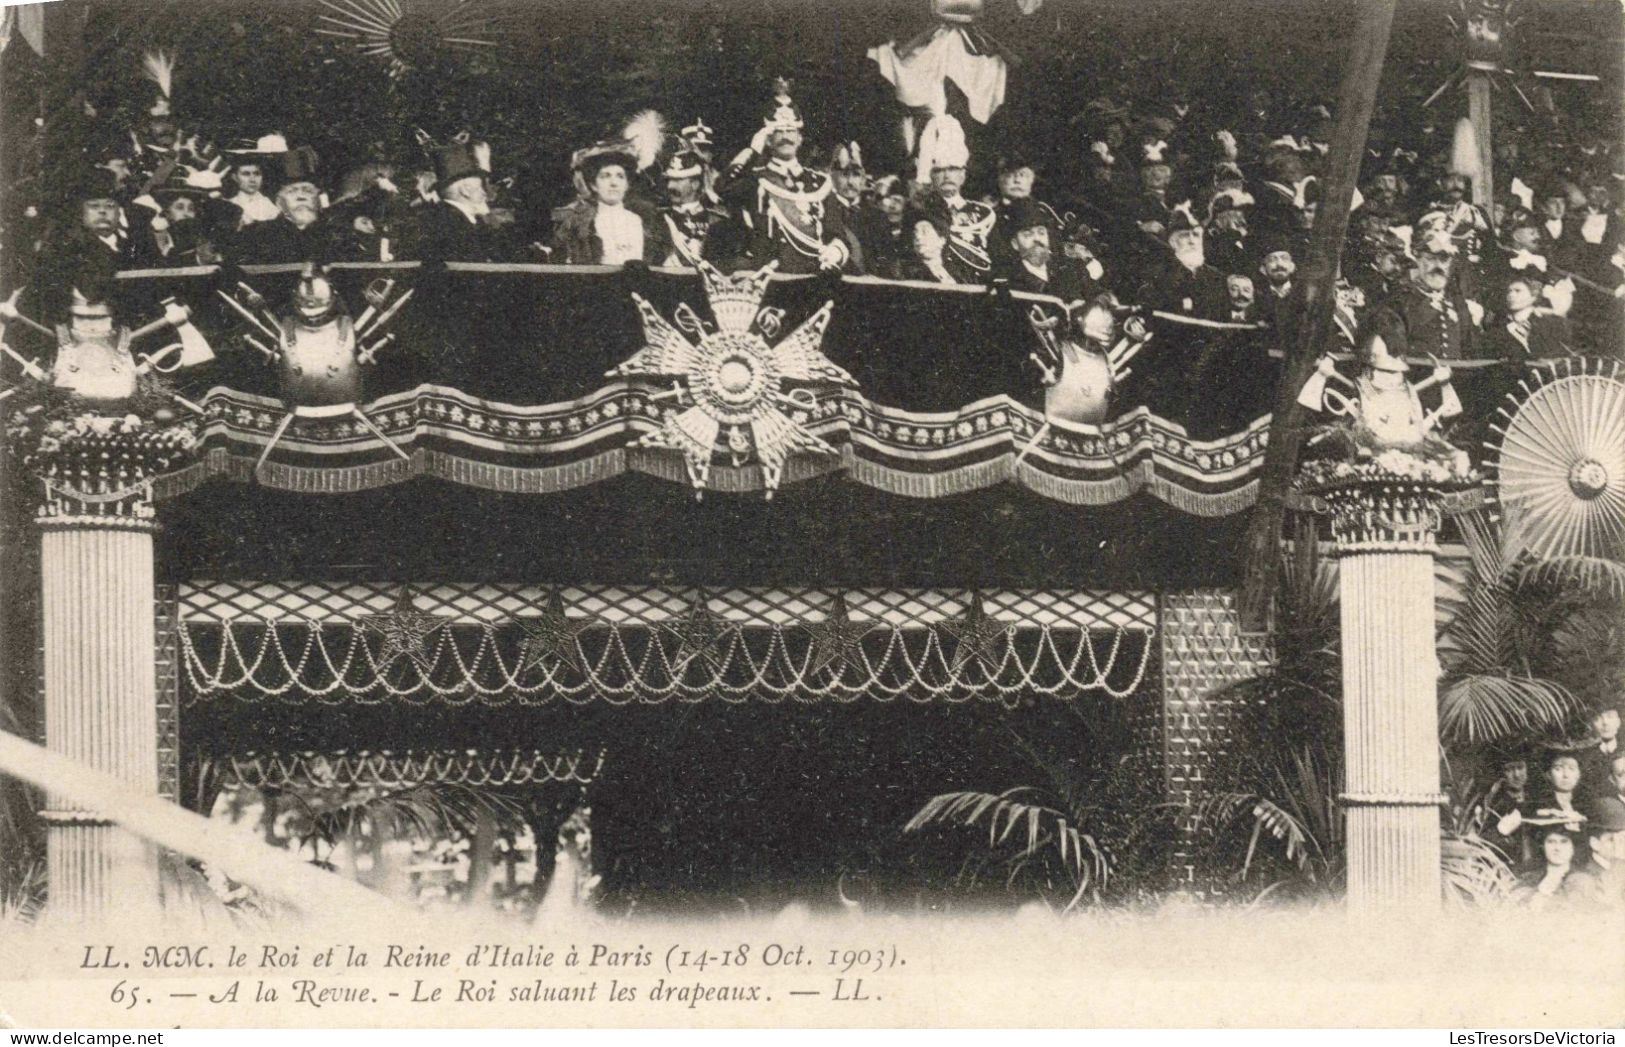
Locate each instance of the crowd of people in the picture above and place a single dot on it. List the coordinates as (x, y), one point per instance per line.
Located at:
(1194, 217)
(1563, 832)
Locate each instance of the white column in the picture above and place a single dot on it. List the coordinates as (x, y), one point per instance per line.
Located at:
(1384, 533)
(100, 698)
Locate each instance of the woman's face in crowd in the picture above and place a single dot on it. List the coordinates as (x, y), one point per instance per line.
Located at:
(1554, 207)
(609, 185)
(1559, 849)
(1564, 774)
(250, 178)
(893, 207)
(1016, 184)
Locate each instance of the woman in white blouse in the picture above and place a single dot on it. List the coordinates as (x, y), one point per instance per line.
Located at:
(608, 228)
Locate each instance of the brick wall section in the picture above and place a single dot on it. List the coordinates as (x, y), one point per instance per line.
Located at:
(1203, 649)
(167, 662)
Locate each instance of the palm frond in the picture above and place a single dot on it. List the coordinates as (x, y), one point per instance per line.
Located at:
(1473, 872)
(1080, 854)
(1588, 574)
(1484, 707)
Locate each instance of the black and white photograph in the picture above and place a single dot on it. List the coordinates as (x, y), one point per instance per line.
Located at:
(812, 514)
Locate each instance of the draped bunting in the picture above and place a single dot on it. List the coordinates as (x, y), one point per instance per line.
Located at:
(497, 380)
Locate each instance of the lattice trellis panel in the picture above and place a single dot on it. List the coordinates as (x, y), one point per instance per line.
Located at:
(1203, 650)
(626, 645)
(405, 770)
(166, 657)
(483, 602)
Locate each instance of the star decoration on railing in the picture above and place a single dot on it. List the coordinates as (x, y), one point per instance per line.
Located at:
(404, 630)
(977, 634)
(552, 634)
(837, 640)
(700, 634)
(730, 383)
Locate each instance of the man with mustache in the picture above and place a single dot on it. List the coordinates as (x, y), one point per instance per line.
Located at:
(1426, 315)
(298, 233)
(1034, 267)
(783, 209)
(90, 252)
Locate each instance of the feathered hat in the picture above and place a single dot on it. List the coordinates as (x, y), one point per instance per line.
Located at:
(160, 69)
(645, 133)
(848, 156)
(942, 144)
(1182, 219)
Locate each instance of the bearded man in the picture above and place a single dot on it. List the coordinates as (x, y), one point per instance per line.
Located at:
(298, 233)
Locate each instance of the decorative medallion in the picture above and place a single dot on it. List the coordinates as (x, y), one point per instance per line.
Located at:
(700, 634)
(552, 634)
(732, 390)
(411, 33)
(837, 640)
(405, 630)
(1560, 463)
(978, 636)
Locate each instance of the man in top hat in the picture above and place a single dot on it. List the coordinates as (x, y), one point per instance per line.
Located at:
(454, 228)
(1032, 265)
(298, 233)
(1426, 315)
(690, 221)
(1184, 284)
(93, 248)
(784, 208)
(174, 236)
(1605, 834)
(608, 226)
(250, 164)
(1599, 753)
(1016, 179)
(1277, 267)
(969, 223)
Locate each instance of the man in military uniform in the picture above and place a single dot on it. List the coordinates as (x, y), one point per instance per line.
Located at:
(783, 208)
(969, 222)
(1426, 315)
(690, 221)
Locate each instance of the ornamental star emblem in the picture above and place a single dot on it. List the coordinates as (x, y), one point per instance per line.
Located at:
(700, 634)
(730, 382)
(837, 640)
(552, 634)
(404, 630)
(977, 635)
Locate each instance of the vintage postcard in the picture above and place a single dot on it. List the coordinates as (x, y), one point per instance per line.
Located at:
(786, 513)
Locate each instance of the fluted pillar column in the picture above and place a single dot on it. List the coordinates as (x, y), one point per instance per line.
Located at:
(101, 709)
(1384, 530)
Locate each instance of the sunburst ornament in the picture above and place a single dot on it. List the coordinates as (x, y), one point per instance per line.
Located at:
(732, 393)
(411, 33)
(1560, 463)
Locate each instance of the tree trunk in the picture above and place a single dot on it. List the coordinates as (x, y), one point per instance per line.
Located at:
(1303, 340)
